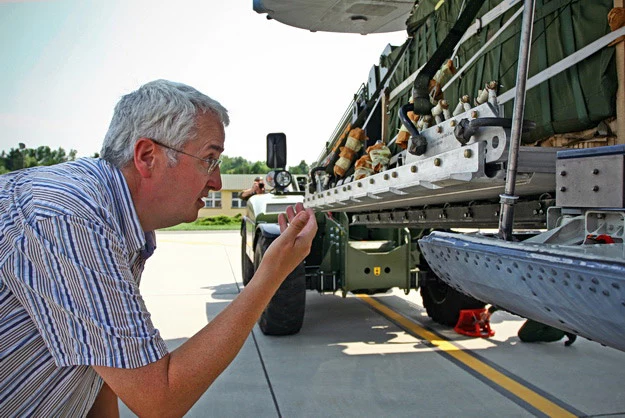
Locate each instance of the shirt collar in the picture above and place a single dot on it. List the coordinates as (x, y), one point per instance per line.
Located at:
(137, 239)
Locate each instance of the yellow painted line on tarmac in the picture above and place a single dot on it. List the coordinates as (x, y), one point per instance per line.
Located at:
(526, 394)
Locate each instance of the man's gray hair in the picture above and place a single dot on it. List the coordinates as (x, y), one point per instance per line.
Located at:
(162, 110)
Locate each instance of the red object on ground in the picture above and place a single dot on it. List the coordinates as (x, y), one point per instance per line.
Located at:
(604, 239)
(474, 323)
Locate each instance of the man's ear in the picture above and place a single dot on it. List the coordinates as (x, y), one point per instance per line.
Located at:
(145, 156)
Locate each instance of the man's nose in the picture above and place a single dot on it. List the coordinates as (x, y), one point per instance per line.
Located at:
(214, 180)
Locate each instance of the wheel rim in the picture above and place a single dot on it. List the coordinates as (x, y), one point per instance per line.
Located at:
(438, 291)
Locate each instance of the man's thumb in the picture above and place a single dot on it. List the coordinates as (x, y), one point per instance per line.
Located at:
(299, 222)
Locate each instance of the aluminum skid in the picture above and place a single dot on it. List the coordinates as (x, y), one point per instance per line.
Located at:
(579, 289)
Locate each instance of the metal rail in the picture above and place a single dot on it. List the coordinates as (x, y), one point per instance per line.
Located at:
(508, 198)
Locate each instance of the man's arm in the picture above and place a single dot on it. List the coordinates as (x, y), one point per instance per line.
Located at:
(170, 386)
(105, 405)
(255, 189)
(247, 193)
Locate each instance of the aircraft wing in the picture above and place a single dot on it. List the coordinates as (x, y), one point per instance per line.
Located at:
(349, 16)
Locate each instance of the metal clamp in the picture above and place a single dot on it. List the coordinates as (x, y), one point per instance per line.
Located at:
(507, 199)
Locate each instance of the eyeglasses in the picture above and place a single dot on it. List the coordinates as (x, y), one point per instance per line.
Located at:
(213, 163)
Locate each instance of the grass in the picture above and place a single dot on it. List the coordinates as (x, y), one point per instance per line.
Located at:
(211, 223)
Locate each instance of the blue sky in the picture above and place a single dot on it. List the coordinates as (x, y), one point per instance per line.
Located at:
(65, 64)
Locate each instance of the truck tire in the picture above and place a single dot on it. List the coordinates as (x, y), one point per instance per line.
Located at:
(284, 315)
(444, 303)
(247, 267)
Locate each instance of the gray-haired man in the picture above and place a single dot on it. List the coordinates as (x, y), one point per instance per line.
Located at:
(74, 330)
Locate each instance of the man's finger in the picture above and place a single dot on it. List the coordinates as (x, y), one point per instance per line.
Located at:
(310, 228)
(282, 222)
(290, 213)
(296, 224)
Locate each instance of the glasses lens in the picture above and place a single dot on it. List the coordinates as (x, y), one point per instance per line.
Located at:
(212, 165)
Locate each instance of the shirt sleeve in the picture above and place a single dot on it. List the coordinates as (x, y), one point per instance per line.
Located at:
(74, 278)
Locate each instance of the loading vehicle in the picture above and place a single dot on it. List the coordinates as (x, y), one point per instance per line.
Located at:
(259, 227)
(466, 126)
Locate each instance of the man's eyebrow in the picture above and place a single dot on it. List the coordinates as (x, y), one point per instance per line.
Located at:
(216, 148)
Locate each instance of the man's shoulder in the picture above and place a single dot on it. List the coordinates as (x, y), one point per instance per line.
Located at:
(86, 176)
(80, 188)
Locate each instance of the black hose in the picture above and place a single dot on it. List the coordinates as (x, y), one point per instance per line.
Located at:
(421, 93)
(466, 129)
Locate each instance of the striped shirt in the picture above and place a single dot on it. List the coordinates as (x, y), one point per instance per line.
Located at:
(71, 255)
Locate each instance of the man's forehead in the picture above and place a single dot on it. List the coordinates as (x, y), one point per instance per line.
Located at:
(210, 132)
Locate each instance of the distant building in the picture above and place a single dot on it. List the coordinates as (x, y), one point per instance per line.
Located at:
(227, 201)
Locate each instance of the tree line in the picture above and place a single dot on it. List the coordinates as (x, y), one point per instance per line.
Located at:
(23, 157)
(239, 165)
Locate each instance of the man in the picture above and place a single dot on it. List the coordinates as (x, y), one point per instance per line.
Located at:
(258, 187)
(74, 330)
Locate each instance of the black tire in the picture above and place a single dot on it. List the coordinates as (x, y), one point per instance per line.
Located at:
(444, 303)
(247, 267)
(284, 315)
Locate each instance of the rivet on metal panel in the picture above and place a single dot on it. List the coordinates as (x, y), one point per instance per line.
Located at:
(437, 162)
(467, 153)
(394, 174)
(413, 169)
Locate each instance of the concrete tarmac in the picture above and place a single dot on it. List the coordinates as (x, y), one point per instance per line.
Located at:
(351, 361)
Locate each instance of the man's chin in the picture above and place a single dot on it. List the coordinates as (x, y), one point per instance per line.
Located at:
(191, 218)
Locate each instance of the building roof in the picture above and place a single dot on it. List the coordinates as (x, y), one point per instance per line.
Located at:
(237, 182)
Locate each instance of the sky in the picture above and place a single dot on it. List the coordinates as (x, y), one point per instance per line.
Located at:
(65, 64)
